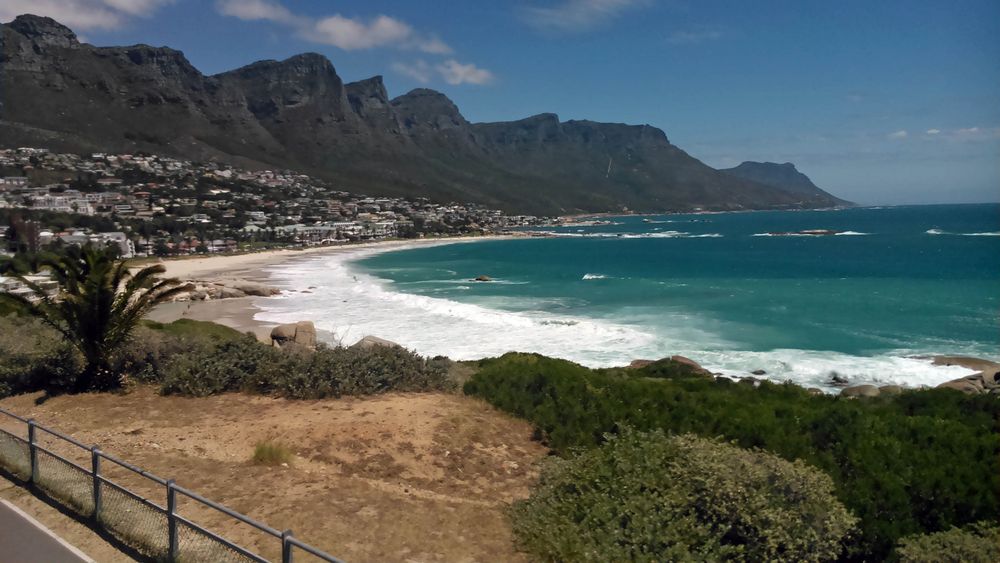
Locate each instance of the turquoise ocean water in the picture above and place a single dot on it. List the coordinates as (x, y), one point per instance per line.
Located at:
(724, 289)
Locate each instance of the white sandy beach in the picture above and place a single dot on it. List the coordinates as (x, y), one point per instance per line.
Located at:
(239, 313)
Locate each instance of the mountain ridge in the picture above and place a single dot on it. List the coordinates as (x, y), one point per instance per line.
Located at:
(298, 113)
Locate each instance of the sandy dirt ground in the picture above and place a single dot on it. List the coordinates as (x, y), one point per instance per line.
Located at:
(400, 477)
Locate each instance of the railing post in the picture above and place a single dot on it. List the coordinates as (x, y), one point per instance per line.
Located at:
(95, 467)
(286, 547)
(171, 521)
(32, 451)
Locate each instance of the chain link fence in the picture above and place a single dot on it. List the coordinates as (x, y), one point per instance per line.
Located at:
(158, 532)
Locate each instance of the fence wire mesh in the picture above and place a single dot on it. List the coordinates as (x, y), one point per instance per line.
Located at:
(14, 455)
(63, 480)
(137, 522)
(195, 545)
(134, 522)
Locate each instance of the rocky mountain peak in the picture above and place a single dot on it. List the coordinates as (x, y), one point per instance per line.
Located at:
(423, 107)
(367, 92)
(44, 31)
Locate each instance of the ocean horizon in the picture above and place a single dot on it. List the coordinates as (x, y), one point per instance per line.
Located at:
(867, 294)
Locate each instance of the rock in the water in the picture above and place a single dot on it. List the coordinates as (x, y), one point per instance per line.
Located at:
(482, 279)
(759, 372)
(838, 380)
(860, 391)
(373, 341)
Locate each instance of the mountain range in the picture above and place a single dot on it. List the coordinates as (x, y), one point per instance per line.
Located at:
(299, 114)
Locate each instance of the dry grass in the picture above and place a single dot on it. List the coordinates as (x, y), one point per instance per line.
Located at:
(272, 453)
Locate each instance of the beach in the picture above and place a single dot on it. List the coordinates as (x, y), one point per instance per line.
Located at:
(238, 313)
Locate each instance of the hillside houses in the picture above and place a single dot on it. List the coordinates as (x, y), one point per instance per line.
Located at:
(166, 205)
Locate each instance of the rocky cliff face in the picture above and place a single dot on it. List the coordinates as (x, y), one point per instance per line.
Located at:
(299, 114)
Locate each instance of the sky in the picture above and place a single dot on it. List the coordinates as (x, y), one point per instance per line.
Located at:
(886, 102)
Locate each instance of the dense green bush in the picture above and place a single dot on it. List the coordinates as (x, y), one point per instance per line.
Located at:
(199, 358)
(916, 463)
(246, 365)
(653, 497)
(978, 543)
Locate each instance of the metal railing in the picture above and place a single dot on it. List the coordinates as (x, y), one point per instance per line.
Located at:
(156, 531)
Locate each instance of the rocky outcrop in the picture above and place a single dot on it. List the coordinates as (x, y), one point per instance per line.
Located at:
(638, 364)
(696, 367)
(482, 279)
(201, 290)
(374, 341)
(302, 333)
(984, 382)
(860, 391)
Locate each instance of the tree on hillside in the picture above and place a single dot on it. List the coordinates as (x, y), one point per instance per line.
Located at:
(98, 305)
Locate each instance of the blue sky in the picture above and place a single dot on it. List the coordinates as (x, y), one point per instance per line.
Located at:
(881, 102)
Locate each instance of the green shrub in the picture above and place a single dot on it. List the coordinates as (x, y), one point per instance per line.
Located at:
(916, 463)
(237, 365)
(246, 365)
(978, 543)
(33, 357)
(272, 453)
(650, 497)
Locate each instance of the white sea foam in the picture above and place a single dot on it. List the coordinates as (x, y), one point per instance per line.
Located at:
(349, 304)
(985, 234)
(852, 234)
(594, 277)
(658, 234)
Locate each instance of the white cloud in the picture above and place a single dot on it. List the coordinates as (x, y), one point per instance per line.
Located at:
(253, 10)
(418, 70)
(578, 15)
(83, 14)
(933, 131)
(694, 37)
(901, 134)
(140, 8)
(346, 33)
(455, 73)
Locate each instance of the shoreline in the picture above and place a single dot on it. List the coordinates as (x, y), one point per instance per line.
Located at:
(238, 313)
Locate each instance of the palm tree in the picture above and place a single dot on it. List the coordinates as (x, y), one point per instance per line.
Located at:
(99, 303)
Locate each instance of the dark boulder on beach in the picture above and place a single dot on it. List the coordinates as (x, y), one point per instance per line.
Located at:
(302, 333)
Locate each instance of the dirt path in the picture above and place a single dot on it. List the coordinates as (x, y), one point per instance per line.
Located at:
(402, 477)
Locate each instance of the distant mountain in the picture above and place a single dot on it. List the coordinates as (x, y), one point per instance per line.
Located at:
(782, 176)
(299, 114)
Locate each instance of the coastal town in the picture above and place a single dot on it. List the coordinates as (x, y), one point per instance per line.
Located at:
(154, 205)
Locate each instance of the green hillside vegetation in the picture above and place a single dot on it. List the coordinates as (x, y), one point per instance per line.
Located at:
(920, 462)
